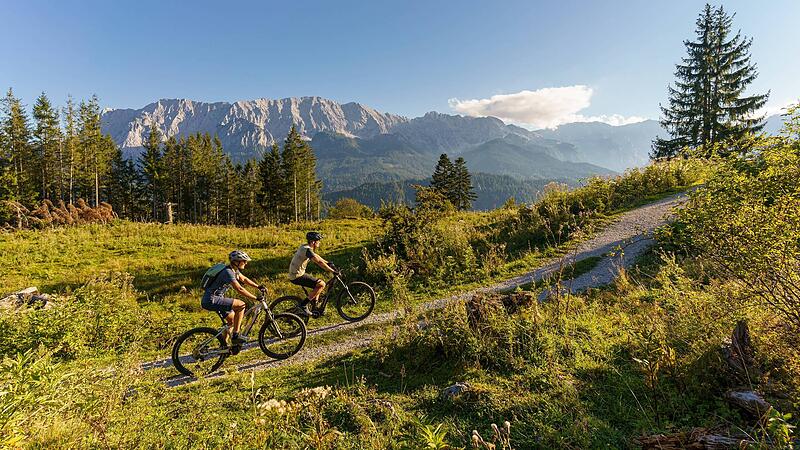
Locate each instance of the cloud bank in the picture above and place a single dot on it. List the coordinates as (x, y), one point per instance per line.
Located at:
(542, 108)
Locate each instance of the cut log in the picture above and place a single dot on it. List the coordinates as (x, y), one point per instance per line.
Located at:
(750, 401)
(698, 438)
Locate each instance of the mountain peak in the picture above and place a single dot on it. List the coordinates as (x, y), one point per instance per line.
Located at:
(246, 125)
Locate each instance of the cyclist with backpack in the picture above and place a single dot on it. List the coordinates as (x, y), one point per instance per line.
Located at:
(218, 280)
(298, 275)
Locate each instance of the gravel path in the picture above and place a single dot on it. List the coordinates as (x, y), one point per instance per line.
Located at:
(631, 233)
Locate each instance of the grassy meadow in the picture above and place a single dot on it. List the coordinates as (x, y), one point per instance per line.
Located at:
(596, 370)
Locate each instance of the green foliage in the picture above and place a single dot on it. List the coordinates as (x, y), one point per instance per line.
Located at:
(349, 208)
(745, 222)
(102, 316)
(707, 105)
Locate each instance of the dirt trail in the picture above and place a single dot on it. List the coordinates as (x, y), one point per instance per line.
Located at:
(619, 244)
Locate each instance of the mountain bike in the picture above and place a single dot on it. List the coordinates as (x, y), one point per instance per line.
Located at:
(202, 350)
(354, 301)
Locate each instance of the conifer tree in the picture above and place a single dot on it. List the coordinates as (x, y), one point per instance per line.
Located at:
(17, 137)
(126, 188)
(292, 168)
(272, 185)
(442, 179)
(71, 149)
(47, 149)
(707, 104)
(97, 150)
(152, 166)
(462, 194)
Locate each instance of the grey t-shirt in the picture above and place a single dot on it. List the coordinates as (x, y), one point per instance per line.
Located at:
(219, 287)
(299, 261)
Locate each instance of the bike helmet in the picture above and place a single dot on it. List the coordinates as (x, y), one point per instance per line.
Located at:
(313, 236)
(238, 255)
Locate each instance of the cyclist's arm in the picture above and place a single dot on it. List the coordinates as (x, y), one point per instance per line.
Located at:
(247, 281)
(241, 290)
(322, 263)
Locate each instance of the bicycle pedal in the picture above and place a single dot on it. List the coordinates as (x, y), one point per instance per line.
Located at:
(235, 349)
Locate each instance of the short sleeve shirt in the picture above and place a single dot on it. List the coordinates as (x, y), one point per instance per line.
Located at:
(219, 287)
(299, 261)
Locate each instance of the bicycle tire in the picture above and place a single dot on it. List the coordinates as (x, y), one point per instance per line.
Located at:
(176, 351)
(366, 298)
(288, 304)
(296, 330)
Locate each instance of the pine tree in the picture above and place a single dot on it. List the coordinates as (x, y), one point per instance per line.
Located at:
(71, 149)
(462, 194)
(707, 104)
(47, 142)
(442, 179)
(151, 164)
(18, 149)
(292, 168)
(126, 188)
(272, 185)
(96, 151)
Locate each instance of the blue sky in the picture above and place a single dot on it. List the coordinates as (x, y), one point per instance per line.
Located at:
(405, 57)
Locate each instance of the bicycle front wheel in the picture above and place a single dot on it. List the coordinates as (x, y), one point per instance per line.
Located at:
(282, 337)
(356, 302)
(288, 304)
(199, 351)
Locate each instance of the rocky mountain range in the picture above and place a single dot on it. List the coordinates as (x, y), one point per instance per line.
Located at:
(356, 145)
(244, 127)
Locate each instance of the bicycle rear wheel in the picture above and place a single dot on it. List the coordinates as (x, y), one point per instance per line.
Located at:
(356, 302)
(282, 337)
(199, 351)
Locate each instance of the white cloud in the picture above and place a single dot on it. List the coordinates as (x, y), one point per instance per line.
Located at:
(542, 108)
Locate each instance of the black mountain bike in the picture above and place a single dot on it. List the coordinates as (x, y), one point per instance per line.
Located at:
(200, 351)
(354, 301)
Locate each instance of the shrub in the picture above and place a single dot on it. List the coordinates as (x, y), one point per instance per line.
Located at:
(101, 316)
(349, 208)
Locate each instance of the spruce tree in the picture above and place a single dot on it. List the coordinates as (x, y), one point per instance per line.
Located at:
(97, 150)
(707, 104)
(71, 148)
(152, 166)
(442, 179)
(292, 168)
(463, 193)
(47, 149)
(18, 150)
(126, 188)
(272, 185)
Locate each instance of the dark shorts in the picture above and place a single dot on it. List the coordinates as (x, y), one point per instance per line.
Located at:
(222, 305)
(305, 280)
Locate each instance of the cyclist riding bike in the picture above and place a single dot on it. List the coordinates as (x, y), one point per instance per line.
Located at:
(299, 277)
(230, 309)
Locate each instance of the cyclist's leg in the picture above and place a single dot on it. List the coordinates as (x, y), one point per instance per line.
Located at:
(238, 311)
(319, 286)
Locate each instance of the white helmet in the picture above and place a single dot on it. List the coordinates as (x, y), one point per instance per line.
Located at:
(238, 255)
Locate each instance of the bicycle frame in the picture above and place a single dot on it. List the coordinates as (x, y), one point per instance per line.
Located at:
(251, 316)
(331, 288)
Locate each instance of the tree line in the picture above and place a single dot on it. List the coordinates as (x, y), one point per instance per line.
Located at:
(62, 155)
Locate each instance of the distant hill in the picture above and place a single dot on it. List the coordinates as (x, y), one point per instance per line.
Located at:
(614, 147)
(492, 190)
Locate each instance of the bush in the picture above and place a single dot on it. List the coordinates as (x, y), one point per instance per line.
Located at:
(101, 316)
(745, 224)
(346, 208)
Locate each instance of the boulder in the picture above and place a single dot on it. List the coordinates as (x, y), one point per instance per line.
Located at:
(455, 391)
(26, 298)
